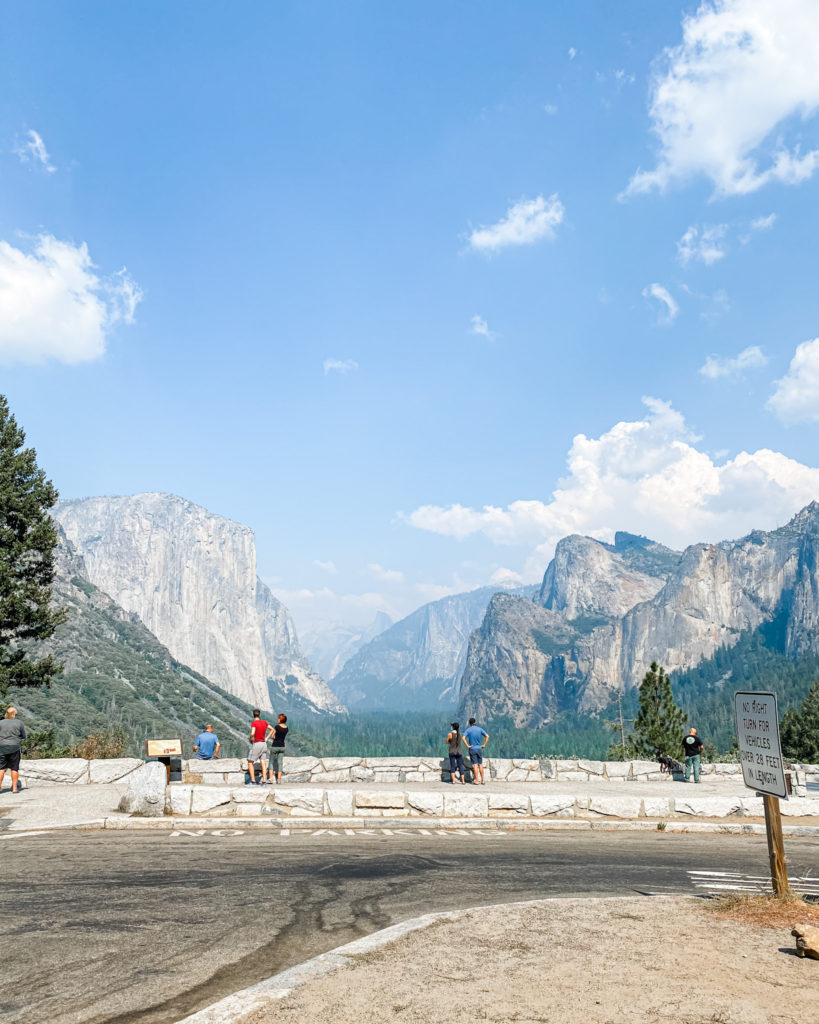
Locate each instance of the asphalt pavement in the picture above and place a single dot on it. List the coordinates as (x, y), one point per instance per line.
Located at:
(146, 927)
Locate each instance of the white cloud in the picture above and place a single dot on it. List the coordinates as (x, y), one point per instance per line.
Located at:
(796, 395)
(670, 309)
(550, 108)
(339, 365)
(645, 476)
(506, 578)
(750, 358)
(525, 222)
(730, 102)
(572, 53)
(325, 566)
(53, 305)
(33, 150)
(763, 223)
(311, 607)
(378, 572)
(706, 245)
(480, 326)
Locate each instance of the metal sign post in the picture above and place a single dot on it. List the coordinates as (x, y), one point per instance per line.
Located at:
(757, 721)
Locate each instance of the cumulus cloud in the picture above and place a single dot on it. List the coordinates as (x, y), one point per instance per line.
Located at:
(480, 326)
(668, 305)
(339, 366)
(378, 572)
(750, 358)
(325, 566)
(32, 149)
(506, 578)
(796, 395)
(730, 101)
(647, 476)
(706, 245)
(527, 221)
(54, 306)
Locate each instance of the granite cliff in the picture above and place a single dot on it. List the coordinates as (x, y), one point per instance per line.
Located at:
(416, 663)
(190, 577)
(116, 673)
(605, 612)
(330, 647)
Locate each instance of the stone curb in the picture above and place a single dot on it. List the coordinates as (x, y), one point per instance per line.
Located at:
(264, 994)
(424, 826)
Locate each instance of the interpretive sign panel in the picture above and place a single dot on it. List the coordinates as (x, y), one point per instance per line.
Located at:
(757, 719)
(163, 748)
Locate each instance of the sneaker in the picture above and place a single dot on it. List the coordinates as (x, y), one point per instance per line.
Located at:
(251, 783)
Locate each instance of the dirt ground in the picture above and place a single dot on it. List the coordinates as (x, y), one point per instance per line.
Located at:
(596, 961)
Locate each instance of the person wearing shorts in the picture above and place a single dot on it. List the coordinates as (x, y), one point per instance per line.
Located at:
(260, 730)
(475, 739)
(277, 749)
(12, 734)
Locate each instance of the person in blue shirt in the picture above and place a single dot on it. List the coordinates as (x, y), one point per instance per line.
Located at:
(207, 744)
(475, 739)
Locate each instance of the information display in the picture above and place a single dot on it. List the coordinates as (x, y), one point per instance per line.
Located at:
(163, 748)
(760, 753)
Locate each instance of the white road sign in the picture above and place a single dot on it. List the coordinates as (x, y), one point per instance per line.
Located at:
(757, 721)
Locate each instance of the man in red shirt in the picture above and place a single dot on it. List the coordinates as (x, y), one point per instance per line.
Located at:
(260, 730)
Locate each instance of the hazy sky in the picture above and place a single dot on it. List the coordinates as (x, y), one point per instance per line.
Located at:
(415, 289)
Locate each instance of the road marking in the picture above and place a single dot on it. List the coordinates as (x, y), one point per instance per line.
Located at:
(285, 832)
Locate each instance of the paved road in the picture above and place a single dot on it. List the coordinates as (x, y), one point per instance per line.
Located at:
(144, 928)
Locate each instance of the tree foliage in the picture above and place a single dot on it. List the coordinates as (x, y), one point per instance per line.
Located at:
(659, 723)
(28, 540)
(799, 731)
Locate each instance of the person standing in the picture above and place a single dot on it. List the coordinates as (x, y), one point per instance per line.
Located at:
(12, 734)
(207, 745)
(456, 761)
(260, 731)
(692, 745)
(475, 739)
(277, 748)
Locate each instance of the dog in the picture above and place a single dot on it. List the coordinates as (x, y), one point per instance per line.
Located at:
(668, 764)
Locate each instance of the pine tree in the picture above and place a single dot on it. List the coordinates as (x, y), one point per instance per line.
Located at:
(658, 727)
(28, 539)
(799, 731)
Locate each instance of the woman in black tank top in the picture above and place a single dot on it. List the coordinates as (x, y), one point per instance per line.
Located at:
(277, 747)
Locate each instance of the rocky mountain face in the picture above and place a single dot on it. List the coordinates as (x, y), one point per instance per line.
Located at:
(604, 613)
(190, 577)
(117, 674)
(329, 648)
(415, 664)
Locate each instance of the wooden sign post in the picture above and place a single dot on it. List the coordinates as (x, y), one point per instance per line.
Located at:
(757, 721)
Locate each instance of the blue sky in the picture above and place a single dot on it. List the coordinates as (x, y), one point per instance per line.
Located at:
(416, 289)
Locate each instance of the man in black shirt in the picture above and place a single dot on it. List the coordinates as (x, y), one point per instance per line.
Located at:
(692, 745)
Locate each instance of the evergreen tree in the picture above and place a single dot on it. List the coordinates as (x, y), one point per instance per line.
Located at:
(658, 727)
(799, 731)
(28, 539)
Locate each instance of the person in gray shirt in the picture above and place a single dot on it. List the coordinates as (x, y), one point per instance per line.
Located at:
(12, 734)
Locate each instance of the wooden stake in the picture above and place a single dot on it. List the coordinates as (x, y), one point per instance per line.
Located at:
(776, 846)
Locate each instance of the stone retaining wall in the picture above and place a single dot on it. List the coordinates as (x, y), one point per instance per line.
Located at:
(230, 771)
(314, 802)
(419, 769)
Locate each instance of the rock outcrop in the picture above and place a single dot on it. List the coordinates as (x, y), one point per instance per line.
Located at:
(416, 664)
(330, 647)
(609, 613)
(191, 578)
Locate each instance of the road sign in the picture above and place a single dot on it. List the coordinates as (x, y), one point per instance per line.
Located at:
(760, 753)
